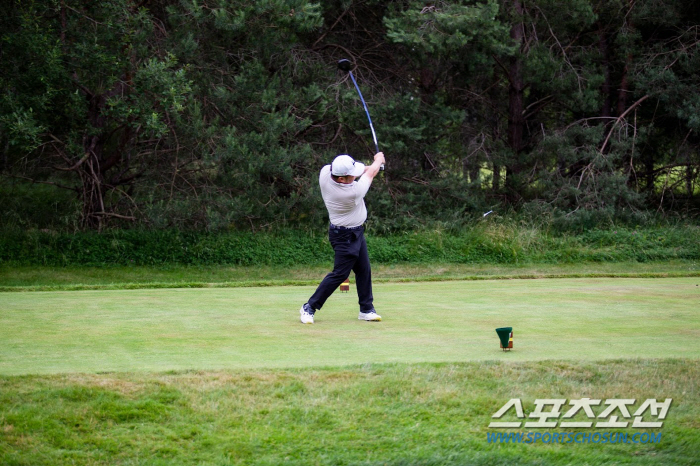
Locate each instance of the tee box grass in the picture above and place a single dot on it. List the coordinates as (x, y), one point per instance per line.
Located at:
(251, 328)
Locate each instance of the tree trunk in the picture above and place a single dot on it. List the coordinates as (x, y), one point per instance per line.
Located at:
(92, 195)
(5, 148)
(606, 89)
(496, 181)
(624, 81)
(92, 171)
(689, 177)
(516, 118)
(649, 176)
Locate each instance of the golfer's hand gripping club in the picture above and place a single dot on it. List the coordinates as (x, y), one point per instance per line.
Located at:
(379, 157)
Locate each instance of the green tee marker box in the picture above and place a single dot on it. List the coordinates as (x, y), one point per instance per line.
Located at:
(505, 334)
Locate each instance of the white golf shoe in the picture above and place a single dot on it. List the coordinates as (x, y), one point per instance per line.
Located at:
(370, 316)
(307, 317)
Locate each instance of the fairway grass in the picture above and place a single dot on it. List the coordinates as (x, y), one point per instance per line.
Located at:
(252, 328)
(373, 414)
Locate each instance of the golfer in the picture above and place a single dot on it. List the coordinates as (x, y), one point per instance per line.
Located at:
(343, 193)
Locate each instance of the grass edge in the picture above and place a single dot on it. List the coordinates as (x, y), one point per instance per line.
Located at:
(269, 283)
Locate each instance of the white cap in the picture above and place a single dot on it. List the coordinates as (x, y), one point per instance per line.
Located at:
(344, 165)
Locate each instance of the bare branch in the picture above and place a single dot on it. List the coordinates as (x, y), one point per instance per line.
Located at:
(74, 167)
(112, 214)
(620, 118)
(58, 185)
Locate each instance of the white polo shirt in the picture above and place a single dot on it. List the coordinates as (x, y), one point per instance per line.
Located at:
(345, 202)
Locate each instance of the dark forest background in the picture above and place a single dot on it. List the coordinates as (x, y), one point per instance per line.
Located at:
(216, 115)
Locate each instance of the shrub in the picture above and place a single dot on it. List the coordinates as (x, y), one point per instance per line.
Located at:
(502, 241)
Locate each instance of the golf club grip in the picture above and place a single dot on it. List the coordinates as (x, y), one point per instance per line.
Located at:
(374, 136)
(376, 146)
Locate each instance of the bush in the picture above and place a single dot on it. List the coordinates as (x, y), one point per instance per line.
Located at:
(497, 241)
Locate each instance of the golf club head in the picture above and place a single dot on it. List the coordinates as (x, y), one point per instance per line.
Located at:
(344, 64)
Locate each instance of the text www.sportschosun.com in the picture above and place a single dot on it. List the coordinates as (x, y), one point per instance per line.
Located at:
(573, 437)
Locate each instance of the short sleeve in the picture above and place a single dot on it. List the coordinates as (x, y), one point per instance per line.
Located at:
(361, 188)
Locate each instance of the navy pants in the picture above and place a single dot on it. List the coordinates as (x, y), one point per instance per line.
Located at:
(350, 254)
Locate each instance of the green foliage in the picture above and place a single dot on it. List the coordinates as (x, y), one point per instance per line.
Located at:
(448, 28)
(487, 242)
(90, 78)
(28, 207)
(130, 247)
(22, 129)
(587, 179)
(217, 116)
(252, 168)
(165, 84)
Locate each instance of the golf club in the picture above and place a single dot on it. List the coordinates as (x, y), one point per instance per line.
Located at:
(346, 65)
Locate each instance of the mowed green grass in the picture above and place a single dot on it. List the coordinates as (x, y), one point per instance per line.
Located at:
(43, 278)
(228, 376)
(258, 328)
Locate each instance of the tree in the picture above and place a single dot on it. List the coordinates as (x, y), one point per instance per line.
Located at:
(89, 95)
(217, 114)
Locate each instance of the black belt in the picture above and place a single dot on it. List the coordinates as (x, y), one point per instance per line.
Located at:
(347, 228)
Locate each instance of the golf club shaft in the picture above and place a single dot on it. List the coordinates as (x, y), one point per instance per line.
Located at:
(371, 126)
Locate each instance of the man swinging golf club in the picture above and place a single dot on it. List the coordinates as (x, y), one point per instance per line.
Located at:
(343, 193)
